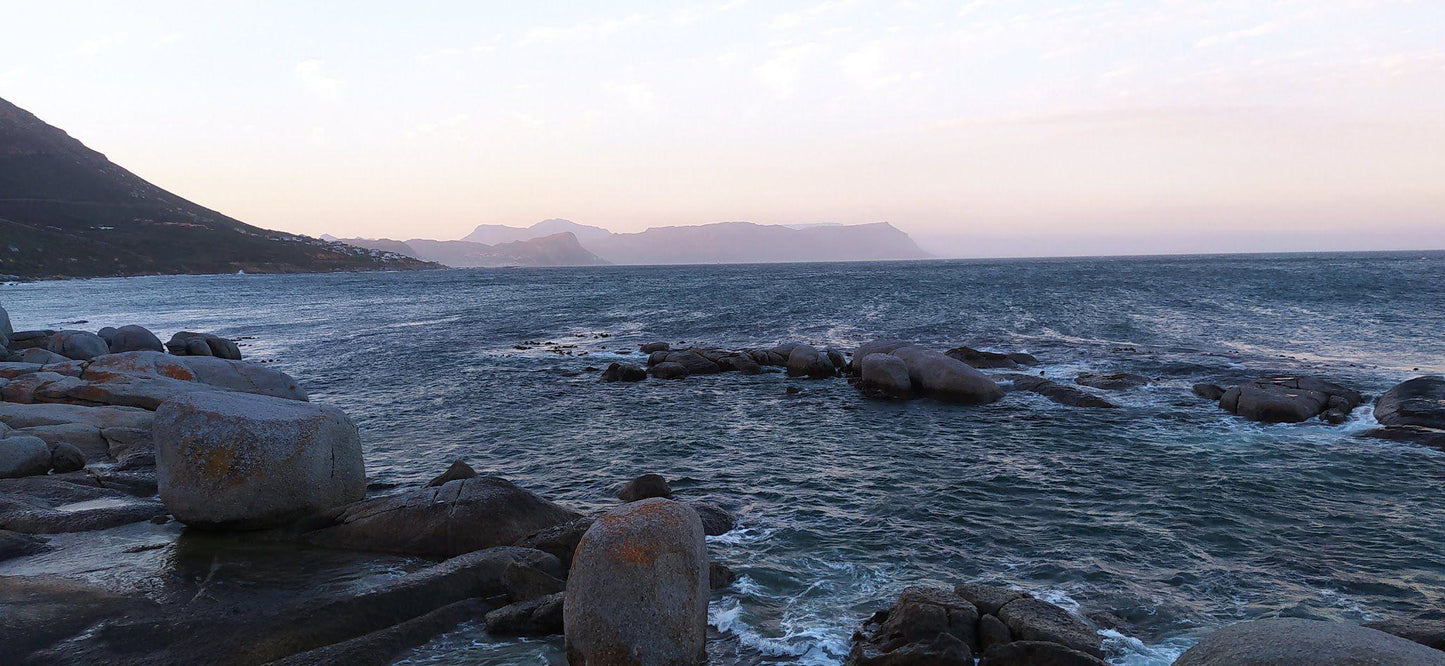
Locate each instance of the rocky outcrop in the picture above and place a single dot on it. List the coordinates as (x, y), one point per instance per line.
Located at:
(536, 617)
(1209, 391)
(454, 518)
(1429, 632)
(1116, 381)
(1030, 619)
(807, 361)
(79, 345)
(623, 372)
(1413, 411)
(946, 379)
(250, 461)
(644, 487)
(23, 455)
(1297, 642)
(1037, 653)
(559, 540)
(1060, 393)
(927, 625)
(638, 589)
(884, 376)
(191, 343)
(668, 370)
(1290, 400)
(651, 347)
(457, 471)
(991, 360)
(130, 338)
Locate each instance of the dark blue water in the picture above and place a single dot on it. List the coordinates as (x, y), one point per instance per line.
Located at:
(1167, 512)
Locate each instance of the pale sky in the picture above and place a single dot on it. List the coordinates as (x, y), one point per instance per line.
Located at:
(982, 128)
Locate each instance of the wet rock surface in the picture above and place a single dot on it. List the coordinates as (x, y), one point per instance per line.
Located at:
(1297, 642)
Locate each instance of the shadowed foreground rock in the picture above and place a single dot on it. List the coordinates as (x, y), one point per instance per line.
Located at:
(250, 461)
(927, 625)
(454, 518)
(1295, 642)
(638, 590)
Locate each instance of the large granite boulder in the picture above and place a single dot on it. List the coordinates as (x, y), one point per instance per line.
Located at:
(41, 356)
(249, 461)
(130, 338)
(1037, 653)
(1030, 619)
(20, 340)
(23, 455)
(190, 343)
(1296, 642)
(644, 487)
(447, 520)
(884, 376)
(638, 589)
(623, 372)
(807, 361)
(79, 345)
(927, 625)
(988, 599)
(946, 379)
(1418, 403)
(875, 347)
(1425, 631)
(230, 375)
(6, 330)
(694, 362)
(1290, 400)
(668, 370)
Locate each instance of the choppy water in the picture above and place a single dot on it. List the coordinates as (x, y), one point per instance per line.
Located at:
(1168, 512)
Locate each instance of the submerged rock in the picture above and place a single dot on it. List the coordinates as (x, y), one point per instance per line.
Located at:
(250, 461)
(1118, 381)
(651, 347)
(638, 589)
(456, 517)
(927, 625)
(1297, 642)
(1209, 391)
(1060, 393)
(1290, 400)
(991, 360)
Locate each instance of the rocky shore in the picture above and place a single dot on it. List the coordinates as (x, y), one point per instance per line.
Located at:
(116, 433)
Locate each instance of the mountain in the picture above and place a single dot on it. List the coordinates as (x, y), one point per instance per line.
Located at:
(491, 234)
(561, 249)
(67, 211)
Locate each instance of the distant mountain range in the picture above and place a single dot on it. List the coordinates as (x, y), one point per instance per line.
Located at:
(67, 211)
(568, 243)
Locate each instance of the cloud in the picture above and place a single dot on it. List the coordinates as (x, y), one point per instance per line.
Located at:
(1237, 35)
(782, 73)
(578, 31)
(312, 75)
(93, 47)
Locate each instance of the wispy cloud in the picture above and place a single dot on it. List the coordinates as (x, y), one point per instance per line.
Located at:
(93, 47)
(579, 31)
(312, 75)
(1237, 35)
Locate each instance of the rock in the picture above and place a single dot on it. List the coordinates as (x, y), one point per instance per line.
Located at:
(1290, 400)
(693, 362)
(1419, 402)
(884, 376)
(1427, 632)
(1037, 653)
(875, 347)
(1030, 619)
(249, 461)
(741, 363)
(1060, 393)
(458, 470)
(41, 356)
(1297, 642)
(23, 455)
(384, 646)
(66, 458)
(837, 358)
(992, 631)
(105, 418)
(651, 347)
(638, 589)
(927, 625)
(644, 487)
(79, 345)
(947, 379)
(987, 598)
(716, 521)
(536, 617)
(132, 338)
(41, 611)
(1209, 391)
(525, 583)
(719, 576)
(453, 518)
(623, 372)
(6, 331)
(559, 540)
(190, 343)
(86, 439)
(1022, 358)
(14, 544)
(20, 340)
(219, 373)
(669, 370)
(806, 361)
(1119, 381)
(982, 359)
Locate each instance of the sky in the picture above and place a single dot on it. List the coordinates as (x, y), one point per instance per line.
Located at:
(982, 128)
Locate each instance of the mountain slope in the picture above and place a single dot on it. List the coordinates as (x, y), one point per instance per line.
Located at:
(745, 242)
(67, 211)
(492, 234)
(560, 249)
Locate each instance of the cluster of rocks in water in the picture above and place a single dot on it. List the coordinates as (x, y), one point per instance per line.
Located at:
(113, 428)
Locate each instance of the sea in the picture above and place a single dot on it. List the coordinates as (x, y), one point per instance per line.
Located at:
(1169, 513)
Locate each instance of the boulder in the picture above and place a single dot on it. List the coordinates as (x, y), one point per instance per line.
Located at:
(1290, 400)
(15, 544)
(623, 372)
(1297, 642)
(66, 458)
(559, 540)
(669, 370)
(884, 376)
(982, 359)
(230, 375)
(1030, 619)
(1425, 631)
(190, 343)
(837, 358)
(456, 517)
(88, 440)
(927, 625)
(638, 589)
(79, 345)
(105, 418)
(876, 347)
(23, 455)
(947, 379)
(644, 487)
(20, 340)
(742, 363)
(536, 617)
(13, 369)
(719, 576)
(384, 646)
(524, 582)
(650, 347)
(1209, 391)
(806, 361)
(693, 362)
(41, 356)
(1037, 653)
(131, 338)
(992, 631)
(6, 330)
(1060, 393)
(458, 470)
(716, 521)
(1419, 402)
(250, 461)
(988, 599)
(1117, 381)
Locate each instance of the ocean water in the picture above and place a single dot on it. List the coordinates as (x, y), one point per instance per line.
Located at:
(1168, 512)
